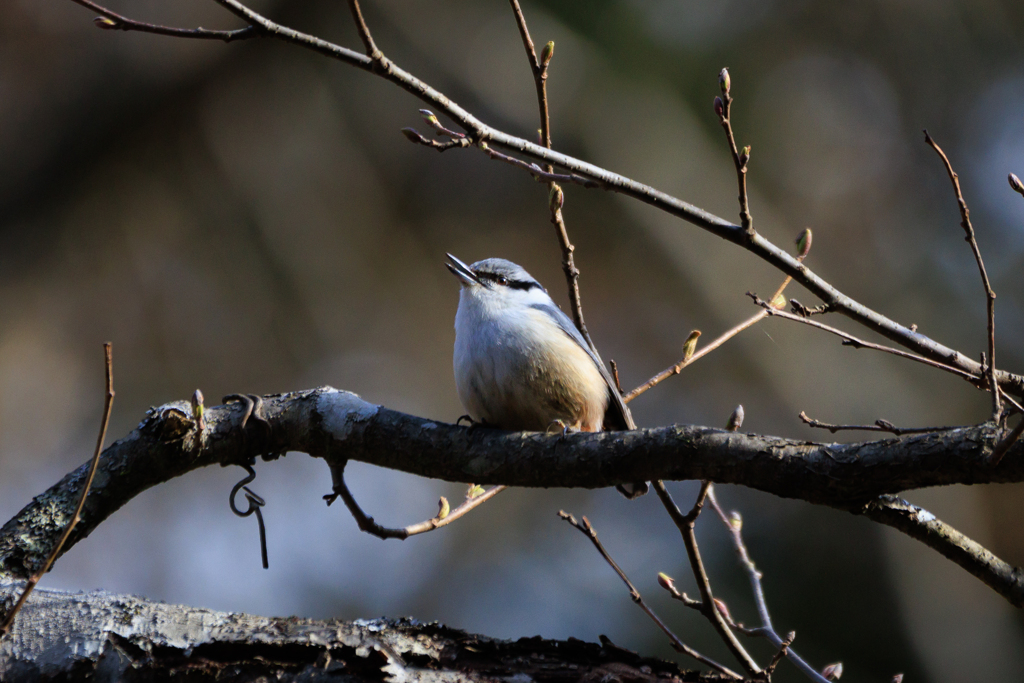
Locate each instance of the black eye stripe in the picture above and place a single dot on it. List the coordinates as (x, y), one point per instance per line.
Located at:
(504, 281)
(525, 286)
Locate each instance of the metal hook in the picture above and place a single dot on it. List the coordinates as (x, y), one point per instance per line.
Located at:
(255, 503)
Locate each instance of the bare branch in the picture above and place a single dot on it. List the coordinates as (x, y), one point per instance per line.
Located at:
(599, 177)
(723, 108)
(587, 530)
(364, 31)
(879, 426)
(366, 523)
(707, 607)
(990, 296)
(108, 403)
(708, 348)
(734, 525)
(922, 525)
(857, 343)
(115, 22)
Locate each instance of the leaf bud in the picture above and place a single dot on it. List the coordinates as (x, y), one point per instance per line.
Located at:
(474, 491)
(833, 672)
(735, 420)
(803, 244)
(105, 23)
(744, 156)
(722, 609)
(736, 520)
(1016, 184)
(547, 53)
(666, 582)
(556, 198)
(723, 80)
(690, 345)
(778, 303)
(443, 508)
(719, 107)
(412, 135)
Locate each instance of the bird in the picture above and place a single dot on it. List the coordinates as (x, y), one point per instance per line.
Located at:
(521, 364)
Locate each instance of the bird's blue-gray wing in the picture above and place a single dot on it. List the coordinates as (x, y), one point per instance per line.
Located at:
(620, 417)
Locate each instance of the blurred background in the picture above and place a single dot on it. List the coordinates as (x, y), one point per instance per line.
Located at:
(248, 218)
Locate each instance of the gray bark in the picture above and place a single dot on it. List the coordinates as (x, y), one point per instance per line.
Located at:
(101, 636)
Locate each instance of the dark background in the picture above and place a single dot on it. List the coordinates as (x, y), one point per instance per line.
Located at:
(247, 218)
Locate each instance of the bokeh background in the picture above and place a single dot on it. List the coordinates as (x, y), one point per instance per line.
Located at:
(247, 218)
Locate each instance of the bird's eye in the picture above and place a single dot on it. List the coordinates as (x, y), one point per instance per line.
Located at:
(502, 280)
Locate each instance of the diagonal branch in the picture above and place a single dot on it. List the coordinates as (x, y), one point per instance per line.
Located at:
(708, 607)
(766, 629)
(556, 198)
(751, 241)
(113, 21)
(108, 403)
(366, 523)
(587, 530)
(990, 296)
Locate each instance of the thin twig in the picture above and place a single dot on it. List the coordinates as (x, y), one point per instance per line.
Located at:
(536, 171)
(414, 136)
(766, 630)
(600, 177)
(879, 426)
(115, 22)
(556, 198)
(587, 530)
(739, 159)
(364, 32)
(990, 295)
(857, 343)
(367, 525)
(706, 349)
(108, 403)
(685, 524)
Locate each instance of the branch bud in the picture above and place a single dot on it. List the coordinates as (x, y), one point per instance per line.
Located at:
(413, 135)
(736, 520)
(722, 609)
(690, 345)
(556, 198)
(106, 23)
(719, 107)
(197, 403)
(429, 117)
(474, 491)
(667, 582)
(547, 53)
(833, 672)
(803, 244)
(735, 420)
(1016, 184)
(778, 303)
(744, 156)
(443, 508)
(723, 80)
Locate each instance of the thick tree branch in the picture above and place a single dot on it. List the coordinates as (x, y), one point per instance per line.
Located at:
(337, 425)
(749, 240)
(100, 636)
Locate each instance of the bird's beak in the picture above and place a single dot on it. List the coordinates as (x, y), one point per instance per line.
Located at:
(462, 271)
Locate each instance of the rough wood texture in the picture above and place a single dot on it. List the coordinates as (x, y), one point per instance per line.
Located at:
(100, 636)
(338, 425)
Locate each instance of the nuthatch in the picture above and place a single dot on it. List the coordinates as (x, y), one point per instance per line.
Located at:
(520, 363)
